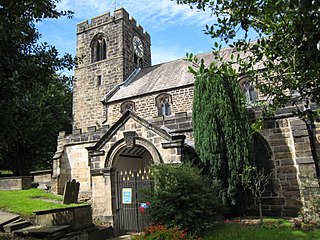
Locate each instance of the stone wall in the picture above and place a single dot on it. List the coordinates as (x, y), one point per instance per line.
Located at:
(293, 168)
(42, 177)
(15, 183)
(307, 176)
(145, 106)
(285, 201)
(77, 217)
(94, 80)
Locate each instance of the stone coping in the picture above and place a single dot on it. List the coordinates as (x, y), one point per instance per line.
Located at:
(42, 230)
(15, 177)
(41, 172)
(41, 212)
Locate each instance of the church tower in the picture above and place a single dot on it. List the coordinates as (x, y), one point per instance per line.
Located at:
(110, 48)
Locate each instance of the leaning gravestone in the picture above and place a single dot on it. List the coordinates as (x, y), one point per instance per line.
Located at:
(71, 191)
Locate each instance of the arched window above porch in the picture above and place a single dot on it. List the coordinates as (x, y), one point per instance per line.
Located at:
(164, 103)
(249, 91)
(127, 105)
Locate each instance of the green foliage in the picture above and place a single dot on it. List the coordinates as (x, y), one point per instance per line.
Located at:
(35, 102)
(287, 45)
(158, 232)
(221, 129)
(257, 125)
(183, 198)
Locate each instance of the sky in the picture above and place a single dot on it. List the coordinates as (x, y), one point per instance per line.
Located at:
(174, 29)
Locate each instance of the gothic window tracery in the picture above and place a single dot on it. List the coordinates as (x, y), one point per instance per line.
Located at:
(163, 103)
(98, 48)
(250, 92)
(128, 105)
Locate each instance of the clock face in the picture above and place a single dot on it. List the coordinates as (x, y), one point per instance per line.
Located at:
(138, 47)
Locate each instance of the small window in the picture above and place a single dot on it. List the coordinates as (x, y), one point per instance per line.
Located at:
(250, 92)
(128, 105)
(163, 103)
(98, 48)
(99, 80)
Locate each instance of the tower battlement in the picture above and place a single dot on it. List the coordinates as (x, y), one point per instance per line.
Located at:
(107, 18)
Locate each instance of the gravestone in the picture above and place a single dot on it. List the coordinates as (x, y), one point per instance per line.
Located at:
(71, 191)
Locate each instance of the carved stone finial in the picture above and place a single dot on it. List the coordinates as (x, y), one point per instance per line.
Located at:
(130, 138)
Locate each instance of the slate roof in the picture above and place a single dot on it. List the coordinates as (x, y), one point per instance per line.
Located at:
(162, 77)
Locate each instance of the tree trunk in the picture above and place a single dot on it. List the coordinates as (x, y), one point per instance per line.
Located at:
(260, 212)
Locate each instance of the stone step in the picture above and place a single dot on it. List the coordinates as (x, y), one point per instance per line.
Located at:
(10, 227)
(16, 221)
(47, 232)
(6, 218)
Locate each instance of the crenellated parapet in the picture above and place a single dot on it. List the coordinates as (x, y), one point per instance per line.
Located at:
(77, 136)
(107, 18)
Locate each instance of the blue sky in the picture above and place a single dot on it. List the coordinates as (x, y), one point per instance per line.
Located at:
(174, 29)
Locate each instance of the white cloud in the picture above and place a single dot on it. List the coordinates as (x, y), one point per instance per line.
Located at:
(157, 17)
(166, 11)
(146, 11)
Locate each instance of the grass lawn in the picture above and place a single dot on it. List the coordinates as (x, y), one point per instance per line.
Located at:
(275, 229)
(5, 172)
(24, 202)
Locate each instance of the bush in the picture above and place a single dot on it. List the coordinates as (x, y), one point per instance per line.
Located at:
(183, 198)
(160, 232)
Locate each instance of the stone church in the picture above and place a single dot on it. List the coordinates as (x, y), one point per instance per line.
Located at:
(128, 114)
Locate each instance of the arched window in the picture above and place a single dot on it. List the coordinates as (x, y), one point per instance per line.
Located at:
(128, 105)
(163, 103)
(98, 48)
(249, 92)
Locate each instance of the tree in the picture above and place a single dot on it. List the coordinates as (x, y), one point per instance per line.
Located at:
(221, 128)
(35, 102)
(286, 34)
(257, 184)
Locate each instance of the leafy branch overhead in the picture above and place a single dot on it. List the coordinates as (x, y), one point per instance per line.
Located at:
(282, 37)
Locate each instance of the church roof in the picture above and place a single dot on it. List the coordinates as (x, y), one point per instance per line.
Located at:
(162, 77)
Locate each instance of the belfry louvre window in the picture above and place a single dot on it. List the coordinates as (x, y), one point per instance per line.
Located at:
(163, 103)
(98, 48)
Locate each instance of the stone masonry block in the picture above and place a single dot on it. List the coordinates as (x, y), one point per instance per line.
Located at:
(304, 160)
(300, 133)
(286, 169)
(282, 149)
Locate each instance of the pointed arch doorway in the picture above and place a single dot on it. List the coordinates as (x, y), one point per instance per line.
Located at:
(131, 167)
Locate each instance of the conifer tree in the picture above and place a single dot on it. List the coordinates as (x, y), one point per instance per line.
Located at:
(221, 128)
